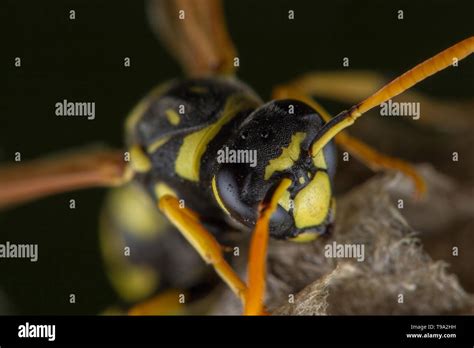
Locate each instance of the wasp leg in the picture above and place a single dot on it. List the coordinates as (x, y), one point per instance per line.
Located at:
(258, 253)
(187, 222)
(363, 152)
(166, 303)
(195, 32)
(22, 182)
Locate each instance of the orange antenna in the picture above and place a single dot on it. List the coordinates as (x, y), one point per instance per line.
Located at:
(420, 72)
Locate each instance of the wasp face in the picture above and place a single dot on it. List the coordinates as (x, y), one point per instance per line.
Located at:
(278, 134)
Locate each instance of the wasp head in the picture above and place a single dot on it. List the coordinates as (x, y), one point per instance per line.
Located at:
(271, 144)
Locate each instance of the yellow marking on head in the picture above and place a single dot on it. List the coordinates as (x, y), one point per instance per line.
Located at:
(285, 201)
(311, 204)
(289, 154)
(319, 160)
(217, 196)
(139, 160)
(162, 189)
(304, 237)
(172, 117)
(188, 161)
(301, 180)
(157, 144)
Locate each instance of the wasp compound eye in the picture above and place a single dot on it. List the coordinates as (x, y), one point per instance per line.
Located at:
(237, 193)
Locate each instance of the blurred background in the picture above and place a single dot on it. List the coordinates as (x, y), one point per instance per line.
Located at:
(82, 60)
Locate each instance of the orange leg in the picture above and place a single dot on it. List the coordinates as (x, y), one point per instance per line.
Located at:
(205, 244)
(258, 253)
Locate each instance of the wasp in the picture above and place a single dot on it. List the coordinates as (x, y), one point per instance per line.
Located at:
(205, 154)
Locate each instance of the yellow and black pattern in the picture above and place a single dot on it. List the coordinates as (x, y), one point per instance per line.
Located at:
(174, 141)
(175, 135)
(306, 209)
(143, 252)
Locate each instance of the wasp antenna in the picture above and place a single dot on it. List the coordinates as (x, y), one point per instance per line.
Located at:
(420, 72)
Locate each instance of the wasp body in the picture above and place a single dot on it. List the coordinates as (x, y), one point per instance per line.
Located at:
(174, 135)
(175, 139)
(176, 152)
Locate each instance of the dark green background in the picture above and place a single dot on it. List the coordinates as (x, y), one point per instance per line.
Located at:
(82, 60)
